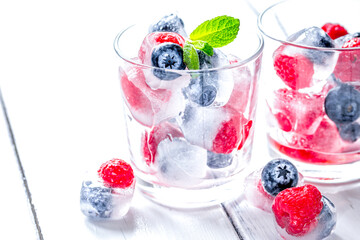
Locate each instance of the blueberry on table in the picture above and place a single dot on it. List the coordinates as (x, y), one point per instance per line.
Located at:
(277, 175)
(169, 23)
(349, 132)
(95, 201)
(167, 56)
(342, 104)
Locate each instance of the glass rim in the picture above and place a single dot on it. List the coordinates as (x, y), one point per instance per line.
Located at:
(243, 62)
(285, 42)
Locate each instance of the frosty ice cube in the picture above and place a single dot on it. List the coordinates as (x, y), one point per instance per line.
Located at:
(107, 194)
(148, 106)
(324, 61)
(179, 163)
(262, 185)
(211, 87)
(219, 130)
(100, 202)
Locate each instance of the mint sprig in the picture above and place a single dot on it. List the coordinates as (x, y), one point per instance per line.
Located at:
(190, 56)
(218, 31)
(213, 33)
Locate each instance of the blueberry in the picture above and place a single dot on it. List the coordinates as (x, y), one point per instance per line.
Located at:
(200, 93)
(277, 175)
(95, 201)
(316, 37)
(169, 23)
(356, 35)
(167, 56)
(326, 218)
(218, 160)
(349, 132)
(342, 104)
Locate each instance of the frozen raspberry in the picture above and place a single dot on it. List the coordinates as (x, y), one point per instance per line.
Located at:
(116, 173)
(296, 209)
(157, 134)
(144, 103)
(153, 39)
(227, 137)
(295, 70)
(299, 112)
(347, 68)
(245, 133)
(334, 30)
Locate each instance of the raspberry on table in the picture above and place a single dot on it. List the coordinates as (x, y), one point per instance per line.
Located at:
(295, 71)
(116, 173)
(296, 209)
(334, 30)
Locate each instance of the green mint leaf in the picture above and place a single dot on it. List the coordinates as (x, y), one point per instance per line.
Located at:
(218, 31)
(204, 46)
(190, 56)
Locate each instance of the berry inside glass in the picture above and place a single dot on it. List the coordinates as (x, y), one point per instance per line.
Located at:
(190, 108)
(313, 102)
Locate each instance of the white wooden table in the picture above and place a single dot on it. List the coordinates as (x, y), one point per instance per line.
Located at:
(60, 113)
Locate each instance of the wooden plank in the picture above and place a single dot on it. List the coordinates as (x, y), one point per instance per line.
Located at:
(16, 211)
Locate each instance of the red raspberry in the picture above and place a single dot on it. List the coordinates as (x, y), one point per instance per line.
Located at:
(155, 38)
(296, 70)
(334, 30)
(226, 138)
(355, 42)
(116, 173)
(296, 209)
(347, 68)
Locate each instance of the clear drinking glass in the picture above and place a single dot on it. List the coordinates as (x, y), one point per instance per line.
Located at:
(187, 151)
(312, 88)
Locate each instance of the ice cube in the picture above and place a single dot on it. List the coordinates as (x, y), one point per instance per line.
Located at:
(339, 42)
(255, 193)
(158, 133)
(169, 23)
(297, 112)
(219, 130)
(98, 201)
(211, 87)
(179, 163)
(243, 89)
(148, 106)
(324, 226)
(324, 61)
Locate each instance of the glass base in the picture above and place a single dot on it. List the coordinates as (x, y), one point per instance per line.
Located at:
(322, 173)
(191, 198)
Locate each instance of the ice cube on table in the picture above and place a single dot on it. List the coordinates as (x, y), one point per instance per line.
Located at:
(180, 164)
(324, 61)
(255, 193)
(219, 130)
(100, 202)
(211, 87)
(326, 222)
